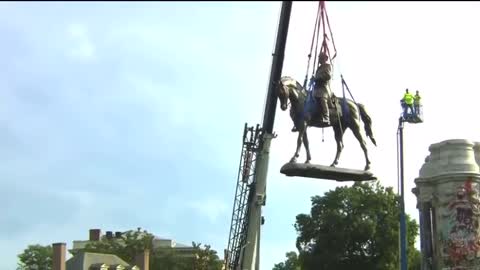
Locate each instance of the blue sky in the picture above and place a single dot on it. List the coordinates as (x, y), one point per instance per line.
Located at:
(125, 115)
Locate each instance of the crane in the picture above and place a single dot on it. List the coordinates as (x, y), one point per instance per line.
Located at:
(250, 196)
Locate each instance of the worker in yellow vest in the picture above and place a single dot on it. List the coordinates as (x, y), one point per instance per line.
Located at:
(408, 99)
(416, 102)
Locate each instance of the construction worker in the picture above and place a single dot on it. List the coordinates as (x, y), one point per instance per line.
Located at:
(416, 102)
(408, 100)
(321, 90)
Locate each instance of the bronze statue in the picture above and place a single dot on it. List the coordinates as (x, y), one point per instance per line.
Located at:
(321, 88)
(290, 90)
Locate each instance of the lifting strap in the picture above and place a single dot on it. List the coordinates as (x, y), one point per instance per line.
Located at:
(311, 46)
(325, 19)
(321, 22)
(345, 109)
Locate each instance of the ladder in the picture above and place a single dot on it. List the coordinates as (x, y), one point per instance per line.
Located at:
(243, 197)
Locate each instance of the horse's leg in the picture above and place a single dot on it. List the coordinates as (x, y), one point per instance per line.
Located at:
(339, 139)
(307, 148)
(301, 131)
(356, 131)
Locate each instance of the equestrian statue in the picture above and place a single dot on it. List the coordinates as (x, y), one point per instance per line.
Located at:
(320, 108)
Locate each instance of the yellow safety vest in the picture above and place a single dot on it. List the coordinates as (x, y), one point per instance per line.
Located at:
(417, 99)
(408, 98)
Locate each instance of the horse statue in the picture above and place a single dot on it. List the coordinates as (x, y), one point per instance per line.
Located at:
(289, 90)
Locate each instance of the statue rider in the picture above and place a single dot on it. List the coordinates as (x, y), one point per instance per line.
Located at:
(321, 90)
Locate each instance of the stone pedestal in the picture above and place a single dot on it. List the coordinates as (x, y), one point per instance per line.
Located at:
(448, 201)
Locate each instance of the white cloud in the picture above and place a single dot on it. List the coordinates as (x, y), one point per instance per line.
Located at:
(85, 199)
(82, 46)
(210, 208)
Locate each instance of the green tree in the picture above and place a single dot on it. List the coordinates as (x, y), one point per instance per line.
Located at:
(200, 259)
(168, 259)
(36, 257)
(291, 263)
(353, 228)
(415, 260)
(205, 258)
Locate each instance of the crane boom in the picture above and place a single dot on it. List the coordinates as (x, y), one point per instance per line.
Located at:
(250, 259)
(277, 66)
(243, 249)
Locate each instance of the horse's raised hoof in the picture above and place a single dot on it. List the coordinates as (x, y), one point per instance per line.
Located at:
(293, 160)
(367, 168)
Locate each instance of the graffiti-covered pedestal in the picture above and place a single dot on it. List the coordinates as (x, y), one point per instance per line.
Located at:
(448, 201)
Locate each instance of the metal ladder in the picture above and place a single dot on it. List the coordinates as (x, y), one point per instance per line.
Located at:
(243, 196)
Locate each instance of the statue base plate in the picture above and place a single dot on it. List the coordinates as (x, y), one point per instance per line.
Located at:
(326, 172)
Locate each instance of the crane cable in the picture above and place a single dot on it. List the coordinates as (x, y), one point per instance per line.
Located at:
(311, 46)
(321, 22)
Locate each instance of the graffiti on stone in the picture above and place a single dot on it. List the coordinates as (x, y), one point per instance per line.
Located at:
(461, 236)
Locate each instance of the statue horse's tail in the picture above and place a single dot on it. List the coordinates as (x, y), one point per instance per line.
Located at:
(367, 122)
